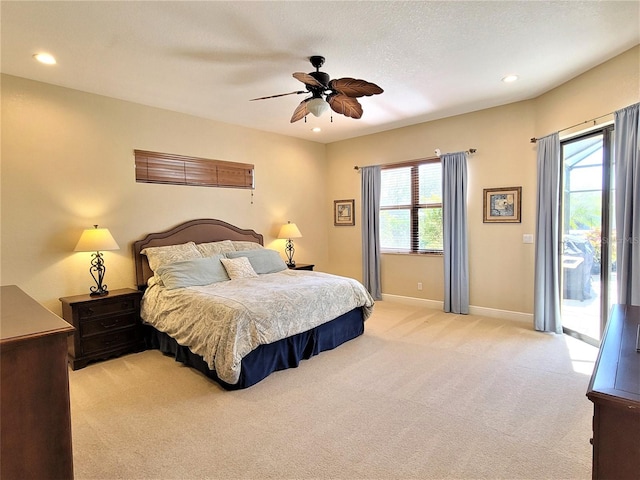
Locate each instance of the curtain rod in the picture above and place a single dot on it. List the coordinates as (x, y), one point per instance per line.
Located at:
(468, 152)
(534, 139)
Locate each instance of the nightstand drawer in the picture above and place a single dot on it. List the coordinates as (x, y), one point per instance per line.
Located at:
(98, 343)
(96, 309)
(107, 324)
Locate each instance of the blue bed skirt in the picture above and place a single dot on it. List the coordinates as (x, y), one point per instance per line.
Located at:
(285, 353)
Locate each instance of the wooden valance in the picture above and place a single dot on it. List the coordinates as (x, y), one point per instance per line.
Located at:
(154, 167)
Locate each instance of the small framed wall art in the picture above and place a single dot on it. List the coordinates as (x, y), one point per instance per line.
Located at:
(501, 205)
(344, 212)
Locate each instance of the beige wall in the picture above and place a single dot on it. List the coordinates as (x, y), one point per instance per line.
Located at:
(501, 265)
(67, 163)
(604, 89)
(504, 158)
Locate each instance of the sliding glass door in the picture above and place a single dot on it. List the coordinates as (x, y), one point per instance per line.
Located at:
(588, 234)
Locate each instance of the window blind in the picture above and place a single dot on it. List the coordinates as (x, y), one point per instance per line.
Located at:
(154, 167)
(411, 207)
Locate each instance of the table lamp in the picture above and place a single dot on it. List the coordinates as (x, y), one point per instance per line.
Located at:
(289, 230)
(94, 240)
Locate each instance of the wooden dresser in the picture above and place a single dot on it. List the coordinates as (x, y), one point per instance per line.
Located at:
(615, 392)
(35, 438)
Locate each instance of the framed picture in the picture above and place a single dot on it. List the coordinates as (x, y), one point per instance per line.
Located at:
(344, 212)
(502, 205)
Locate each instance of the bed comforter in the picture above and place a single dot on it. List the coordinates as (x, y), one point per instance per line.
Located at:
(224, 321)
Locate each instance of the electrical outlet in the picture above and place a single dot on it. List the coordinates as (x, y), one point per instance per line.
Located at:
(419, 285)
(527, 238)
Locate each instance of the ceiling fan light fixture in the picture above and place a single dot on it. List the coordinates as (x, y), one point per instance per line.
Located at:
(341, 94)
(317, 106)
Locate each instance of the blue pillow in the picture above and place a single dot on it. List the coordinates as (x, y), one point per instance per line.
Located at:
(189, 273)
(263, 260)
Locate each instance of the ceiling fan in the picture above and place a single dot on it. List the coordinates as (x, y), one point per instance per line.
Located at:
(339, 94)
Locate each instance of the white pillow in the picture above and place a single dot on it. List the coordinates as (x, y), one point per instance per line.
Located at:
(238, 267)
(159, 256)
(213, 248)
(240, 245)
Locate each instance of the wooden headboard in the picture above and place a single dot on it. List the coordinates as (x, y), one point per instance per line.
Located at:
(198, 231)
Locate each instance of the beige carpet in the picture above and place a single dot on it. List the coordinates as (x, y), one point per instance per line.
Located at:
(421, 395)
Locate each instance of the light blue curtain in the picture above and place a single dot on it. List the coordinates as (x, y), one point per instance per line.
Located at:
(627, 202)
(454, 232)
(546, 295)
(371, 185)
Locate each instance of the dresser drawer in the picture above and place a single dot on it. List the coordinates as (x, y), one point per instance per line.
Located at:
(107, 324)
(98, 343)
(97, 309)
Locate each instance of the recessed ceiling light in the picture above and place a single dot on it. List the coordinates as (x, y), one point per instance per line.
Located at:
(510, 78)
(45, 58)
(316, 129)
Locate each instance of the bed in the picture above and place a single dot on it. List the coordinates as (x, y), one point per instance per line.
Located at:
(261, 318)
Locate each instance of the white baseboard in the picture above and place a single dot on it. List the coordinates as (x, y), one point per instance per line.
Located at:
(473, 310)
(502, 314)
(414, 302)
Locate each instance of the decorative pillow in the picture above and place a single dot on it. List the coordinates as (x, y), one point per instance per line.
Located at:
(213, 248)
(189, 273)
(238, 267)
(240, 246)
(159, 256)
(262, 261)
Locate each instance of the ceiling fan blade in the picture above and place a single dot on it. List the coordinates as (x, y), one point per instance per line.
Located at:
(301, 111)
(308, 80)
(345, 105)
(279, 95)
(353, 87)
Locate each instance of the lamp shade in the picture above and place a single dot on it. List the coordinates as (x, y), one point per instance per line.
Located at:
(317, 106)
(96, 239)
(289, 230)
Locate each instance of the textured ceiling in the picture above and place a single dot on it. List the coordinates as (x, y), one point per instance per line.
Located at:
(433, 59)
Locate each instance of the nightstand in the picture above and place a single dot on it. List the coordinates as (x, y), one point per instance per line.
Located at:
(302, 266)
(105, 326)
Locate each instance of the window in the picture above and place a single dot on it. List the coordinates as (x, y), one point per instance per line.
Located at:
(411, 207)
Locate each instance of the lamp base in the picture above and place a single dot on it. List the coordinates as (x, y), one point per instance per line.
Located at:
(99, 293)
(97, 267)
(289, 251)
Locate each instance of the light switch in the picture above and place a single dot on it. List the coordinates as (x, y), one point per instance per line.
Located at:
(527, 238)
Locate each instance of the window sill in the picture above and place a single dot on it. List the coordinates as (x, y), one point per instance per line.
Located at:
(415, 254)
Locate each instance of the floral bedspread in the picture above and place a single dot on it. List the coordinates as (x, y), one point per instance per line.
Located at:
(223, 322)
